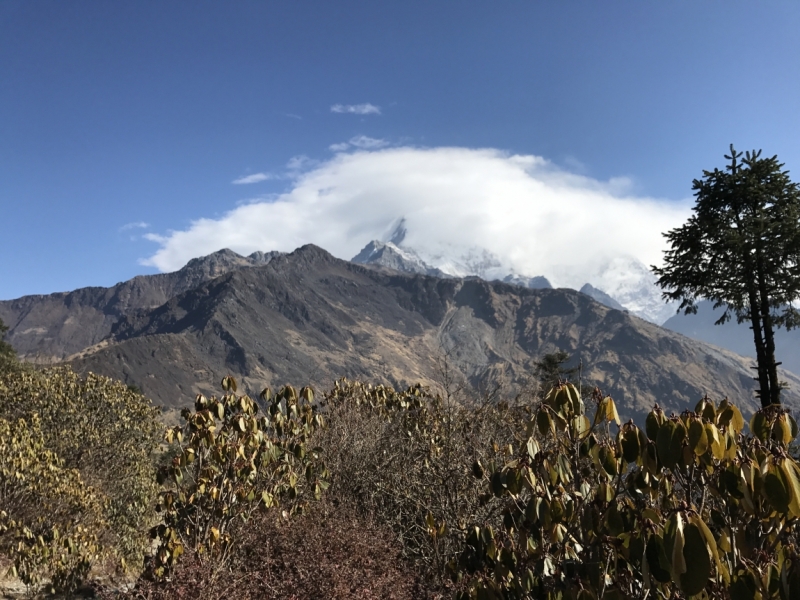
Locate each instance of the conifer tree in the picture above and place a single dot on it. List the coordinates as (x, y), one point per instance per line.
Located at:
(741, 250)
(6, 350)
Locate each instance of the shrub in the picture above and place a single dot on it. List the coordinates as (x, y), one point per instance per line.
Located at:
(406, 459)
(100, 433)
(230, 463)
(326, 553)
(50, 521)
(690, 507)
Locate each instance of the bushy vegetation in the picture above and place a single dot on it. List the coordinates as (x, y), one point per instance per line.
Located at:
(231, 462)
(77, 484)
(370, 492)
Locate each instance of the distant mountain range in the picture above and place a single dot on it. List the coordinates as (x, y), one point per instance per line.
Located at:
(634, 291)
(307, 317)
(627, 284)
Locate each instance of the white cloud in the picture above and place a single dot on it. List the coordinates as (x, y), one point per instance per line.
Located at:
(254, 178)
(367, 143)
(362, 142)
(357, 109)
(300, 163)
(134, 225)
(535, 218)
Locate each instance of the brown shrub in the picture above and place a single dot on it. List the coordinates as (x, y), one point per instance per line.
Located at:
(325, 553)
(408, 460)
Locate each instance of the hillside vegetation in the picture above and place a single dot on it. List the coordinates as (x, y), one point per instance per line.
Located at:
(365, 491)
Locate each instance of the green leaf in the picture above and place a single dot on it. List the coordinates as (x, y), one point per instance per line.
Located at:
(653, 423)
(696, 559)
(544, 422)
(630, 444)
(664, 442)
(792, 482)
(782, 430)
(613, 415)
(715, 441)
(678, 561)
(676, 443)
(775, 490)
(657, 559)
(580, 425)
(759, 426)
(602, 411)
(698, 441)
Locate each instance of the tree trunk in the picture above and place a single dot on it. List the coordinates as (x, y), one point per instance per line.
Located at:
(769, 337)
(769, 351)
(761, 354)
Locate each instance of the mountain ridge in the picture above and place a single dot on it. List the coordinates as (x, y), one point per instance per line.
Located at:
(85, 316)
(308, 317)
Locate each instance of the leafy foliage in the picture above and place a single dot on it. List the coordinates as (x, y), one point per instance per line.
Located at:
(526, 501)
(50, 521)
(231, 461)
(97, 439)
(741, 249)
(689, 507)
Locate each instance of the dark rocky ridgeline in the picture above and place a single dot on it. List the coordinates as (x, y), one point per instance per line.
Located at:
(601, 297)
(49, 328)
(307, 317)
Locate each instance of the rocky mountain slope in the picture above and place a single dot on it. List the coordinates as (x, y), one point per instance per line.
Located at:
(49, 328)
(734, 336)
(307, 317)
(601, 297)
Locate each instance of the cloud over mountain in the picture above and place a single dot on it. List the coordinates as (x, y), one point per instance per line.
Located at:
(531, 217)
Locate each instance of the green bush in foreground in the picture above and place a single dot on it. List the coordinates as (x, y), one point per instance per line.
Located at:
(489, 501)
(688, 508)
(232, 461)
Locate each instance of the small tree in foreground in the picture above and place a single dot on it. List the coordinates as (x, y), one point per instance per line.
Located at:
(741, 250)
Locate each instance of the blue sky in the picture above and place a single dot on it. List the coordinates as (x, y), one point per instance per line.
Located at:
(115, 115)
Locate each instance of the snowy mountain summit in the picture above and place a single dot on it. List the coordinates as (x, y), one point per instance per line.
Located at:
(622, 283)
(387, 254)
(631, 283)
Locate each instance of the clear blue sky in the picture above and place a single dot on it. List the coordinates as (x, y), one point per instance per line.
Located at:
(113, 113)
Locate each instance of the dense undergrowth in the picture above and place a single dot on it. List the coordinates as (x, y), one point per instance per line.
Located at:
(368, 492)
